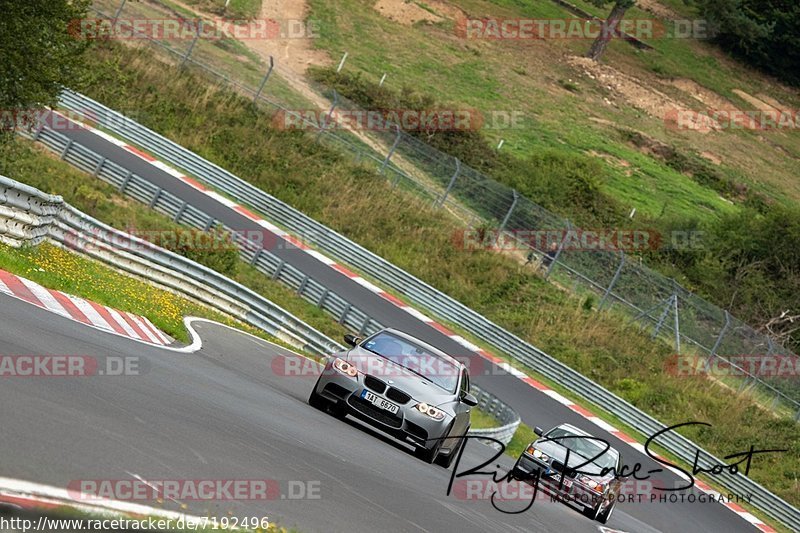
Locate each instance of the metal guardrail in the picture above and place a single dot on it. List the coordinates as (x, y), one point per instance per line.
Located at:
(29, 216)
(500, 411)
(426, 296)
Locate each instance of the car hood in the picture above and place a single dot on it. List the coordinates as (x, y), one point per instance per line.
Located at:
(418, 387)
(559, 453)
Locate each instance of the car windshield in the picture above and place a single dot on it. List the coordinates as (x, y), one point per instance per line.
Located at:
(585, 446)
(412, 357)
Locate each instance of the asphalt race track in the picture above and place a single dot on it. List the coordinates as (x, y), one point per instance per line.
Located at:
(223, 413)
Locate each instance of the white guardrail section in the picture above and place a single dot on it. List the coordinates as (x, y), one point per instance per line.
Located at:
(422, 294)
(28, 216)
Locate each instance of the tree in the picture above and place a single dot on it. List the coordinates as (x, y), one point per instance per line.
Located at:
(765, 33)
(610, 26)
(38, 55)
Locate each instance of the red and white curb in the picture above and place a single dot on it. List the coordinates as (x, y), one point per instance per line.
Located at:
(84, 311)
(588, 415)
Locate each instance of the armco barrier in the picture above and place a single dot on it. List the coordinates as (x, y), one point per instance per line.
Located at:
(65, 226)
(425, 296)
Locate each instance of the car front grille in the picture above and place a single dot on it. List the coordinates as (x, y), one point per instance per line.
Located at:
(366, 408)
(396, 395)
(559, 467)
(375, 384)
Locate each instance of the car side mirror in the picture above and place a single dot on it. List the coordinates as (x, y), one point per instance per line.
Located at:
(538, 431)
(352, 340)
(469, 399)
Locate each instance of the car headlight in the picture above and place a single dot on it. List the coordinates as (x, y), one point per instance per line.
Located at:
(345, 368)
(431, 411)
(538, 454)
(589, 482)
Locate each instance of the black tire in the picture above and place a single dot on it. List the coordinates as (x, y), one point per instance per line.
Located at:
(606, 514)
(447, 460)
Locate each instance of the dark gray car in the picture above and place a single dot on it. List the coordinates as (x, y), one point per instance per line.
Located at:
(588, 477)
(402, 386)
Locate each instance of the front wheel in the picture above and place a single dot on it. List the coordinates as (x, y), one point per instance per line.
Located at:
(447, 460)
(316, 401)
(606, 514)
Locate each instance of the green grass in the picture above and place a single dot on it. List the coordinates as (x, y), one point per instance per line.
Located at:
(59, 269)
(357, 202)
(482, 420)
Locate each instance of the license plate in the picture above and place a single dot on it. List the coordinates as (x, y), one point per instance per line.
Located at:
(377, 401)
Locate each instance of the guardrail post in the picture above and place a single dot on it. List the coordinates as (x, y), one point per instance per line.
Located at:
(329, 115)
(155, 198)
(344, 313)
(502, 228)
(440, 201)
(721, 334)
(99, 167)
(209, 223)
(302, 286)
(613, 280)
(125, 182)
(397, 138)
(38, 132)
(66, 149)
(256, 255)
(278, 269)
(558, 252)
(364, 325)
(264, 81)
(179, 214)
(322, 298)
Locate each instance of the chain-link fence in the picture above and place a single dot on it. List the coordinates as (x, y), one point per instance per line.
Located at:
(621, 284)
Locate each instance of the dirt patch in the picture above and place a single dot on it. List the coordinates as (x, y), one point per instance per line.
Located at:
(648, 99)
(710, 156)
(709, 99)
(759, 103)
(408, 12)
(295, 53)
(657, 9)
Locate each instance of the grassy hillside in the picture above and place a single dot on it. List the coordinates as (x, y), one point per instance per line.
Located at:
(359, 203)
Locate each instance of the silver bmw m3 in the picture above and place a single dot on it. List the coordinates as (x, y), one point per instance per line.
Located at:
(402, 386)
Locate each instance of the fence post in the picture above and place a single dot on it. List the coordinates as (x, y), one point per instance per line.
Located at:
(119, 10)
(558, 252)
(191, 46)
(721, 333)
(452, 182)
(677, 320)
(667, 304)
(501, 229)
(341, 63)
(613, 280)
(393, 148)
(328, 116)
(264, 81)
